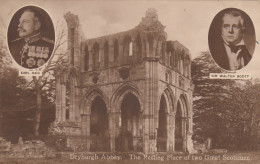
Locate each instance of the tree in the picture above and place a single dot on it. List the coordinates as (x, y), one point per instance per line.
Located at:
(46, 81)
(15, 98)
(243, 115)
(209, 95)
(224, 110)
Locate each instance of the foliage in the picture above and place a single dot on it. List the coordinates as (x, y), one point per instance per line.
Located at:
(55, 129)
(45, 84)
(224, 109)
(17, 102)
(208, 96)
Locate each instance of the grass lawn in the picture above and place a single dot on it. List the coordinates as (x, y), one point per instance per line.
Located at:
(230, 157)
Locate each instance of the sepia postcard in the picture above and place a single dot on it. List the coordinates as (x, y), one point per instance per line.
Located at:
(112, 81)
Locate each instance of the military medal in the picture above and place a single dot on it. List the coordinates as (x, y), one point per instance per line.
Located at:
(46, 52)
(31, 51)
(38, 52)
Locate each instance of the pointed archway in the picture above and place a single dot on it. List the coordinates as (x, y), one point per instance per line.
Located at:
(130, 125)
(99, 130)
(178, 129)
(162, 126)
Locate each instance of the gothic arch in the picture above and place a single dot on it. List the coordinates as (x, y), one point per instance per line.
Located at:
(182, 123)
(184, 105)
(99, 125)
(88, 99)
(106, 53)
(169, 97)
(71, 76)
(116, 49)
(70, 92)
(70, 72)
(128, 46)
(120, 93)
(96, 55)
(138, 46)
(86, 58)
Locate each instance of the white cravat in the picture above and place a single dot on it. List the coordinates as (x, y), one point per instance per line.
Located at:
(235, 62)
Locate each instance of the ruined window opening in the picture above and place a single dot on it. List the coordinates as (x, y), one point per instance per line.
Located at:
(138, 50)
(183, 62)
(116, 50)
(106, 54)
(96, 56)
(181, 65)
(86, 61)
(176, 57)
(171, 60)
(99, 56)
(166, 77)
(131, 48)
(128, 46)
(119, 122)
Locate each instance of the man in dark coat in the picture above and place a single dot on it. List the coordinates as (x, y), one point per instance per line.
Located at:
(229, 50)
(31, 49)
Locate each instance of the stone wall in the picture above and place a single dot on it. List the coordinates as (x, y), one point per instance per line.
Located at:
(138, 66)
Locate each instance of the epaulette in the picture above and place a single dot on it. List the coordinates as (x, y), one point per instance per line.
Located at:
(16, 40)
(33, 38)
(48, 40)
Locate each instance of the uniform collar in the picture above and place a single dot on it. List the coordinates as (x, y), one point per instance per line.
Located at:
(33, 38)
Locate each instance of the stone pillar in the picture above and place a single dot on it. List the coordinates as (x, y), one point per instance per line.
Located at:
(74, 37)
(117, 117)
(72, 101)
(171, 134)
(77, 47)
(151, 105)
(77, 102)
(167, 130)
(58, 98)
(111, 120)
(91, 58)
(84, 124)
(184, 133)
(85, 129)
(146, 134)
(63, 102)
(82, 57)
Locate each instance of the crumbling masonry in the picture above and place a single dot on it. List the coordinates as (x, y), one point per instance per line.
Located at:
(129, 91)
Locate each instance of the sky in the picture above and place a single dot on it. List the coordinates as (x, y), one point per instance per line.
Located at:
(185, 21)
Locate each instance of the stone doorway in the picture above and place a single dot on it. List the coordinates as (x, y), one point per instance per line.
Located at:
(162, 126)
(178, 129)
(130, 138)
(99, 131)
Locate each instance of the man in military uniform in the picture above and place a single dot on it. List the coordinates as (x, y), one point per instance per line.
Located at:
(31, 49)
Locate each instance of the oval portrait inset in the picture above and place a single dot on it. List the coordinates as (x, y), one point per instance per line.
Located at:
(232, 39)
(31, 37)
